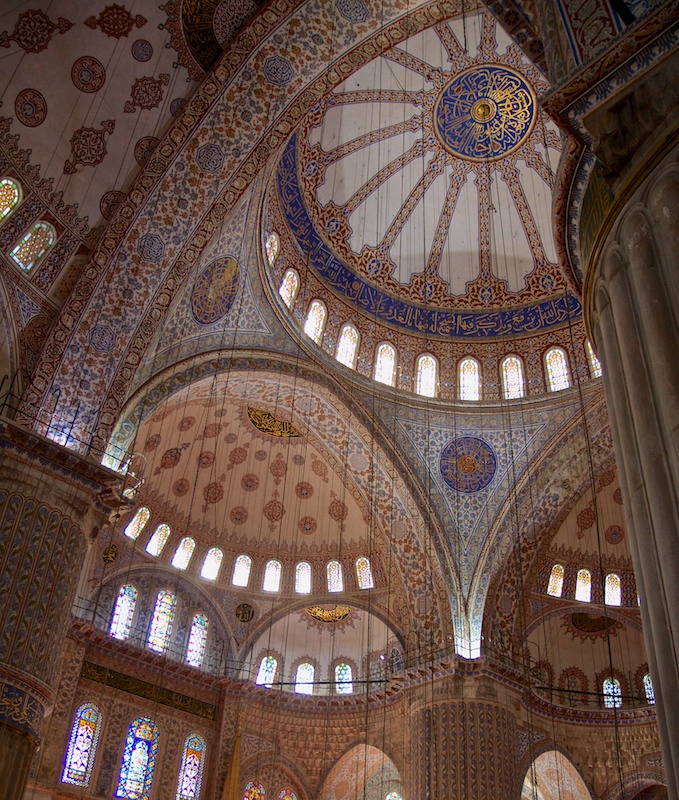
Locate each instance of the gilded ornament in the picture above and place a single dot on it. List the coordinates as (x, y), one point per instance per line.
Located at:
(323, 614)
(267, 423)
(109, 554)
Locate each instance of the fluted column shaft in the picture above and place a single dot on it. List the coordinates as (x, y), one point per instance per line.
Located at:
(634, 315)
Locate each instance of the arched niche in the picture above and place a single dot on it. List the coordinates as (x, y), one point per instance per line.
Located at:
(552, 776)
(362, 773)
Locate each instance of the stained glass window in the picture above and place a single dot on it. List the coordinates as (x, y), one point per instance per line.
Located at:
(315, 321)
(347, 346)
(426, 375)
(10, 195)
(364, 573)
(254, 791)
(195, 649)
(123, 611)
(612, 590)
(304, 679)
(558, 374)
(287, 794)
(33, 245)
(139, 760)
(303, 578)
(612, 693)
(271, 246)
(555, 586)
(241, 571)
(385, 364)
(649, 691)
(267, 672)
(594, 363)
(191, 769)
(158, 540)
(182, 555)
(289, 287)
(136, 526)
(343, 679)
(513, 385)
(583, 586)
(272, 576)
(160, 631)
(393, 796)
(212, 563)
(470, 379)
(82, 746)
(335, 580)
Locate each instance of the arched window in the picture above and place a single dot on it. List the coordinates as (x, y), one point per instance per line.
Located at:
(393, 796)
(33, 245)
(649, 691)
(335, 580)
(289, 287)
(469, 377)
(82, 745)
(304, 679)
(136, 525)
(612, 590)
(139, 760)
(555, 586)
(267, 672)
(160, 631)
(241, 571)
(583, 586)
(426, 375)
(303, 578)
(385, 364)
(212, 563)
(513, 385)
(364, 573)
(343, 679)
(182, 555)
(195, 649)
(612, 693)
(594, 363)
(558, 374)
(158, 540)
(347, 346)
(191, 769)
(272, 576)
(287, 794)
(10, 196)
(254, 791)
(123, 611)
(272, 245)
(315, 321)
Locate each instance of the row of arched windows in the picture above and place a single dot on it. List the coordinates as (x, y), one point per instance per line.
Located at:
(243, 564)
(583, 586)
(138, 760)
(557, 370)
(612, 691)
(36, 241)
(304, 676)
(160, 629)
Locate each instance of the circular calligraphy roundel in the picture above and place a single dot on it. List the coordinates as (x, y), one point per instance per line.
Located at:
(484, 113)
(467, 464)
(215, 290)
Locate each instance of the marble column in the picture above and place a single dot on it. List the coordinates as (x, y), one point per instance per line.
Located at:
(634, 319)
(463, 748)
(51, 503)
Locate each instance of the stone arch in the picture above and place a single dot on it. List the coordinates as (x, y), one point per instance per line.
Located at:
(640, 785)
(363, 773)
(553, 776)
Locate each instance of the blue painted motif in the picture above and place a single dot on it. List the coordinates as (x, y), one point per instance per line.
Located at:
(467, 464)
(210, 158)
(215, 290)
(395, 311)
(485, 113)
(102, 338)
(151, 247)
(353, 10)
(278, 70)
